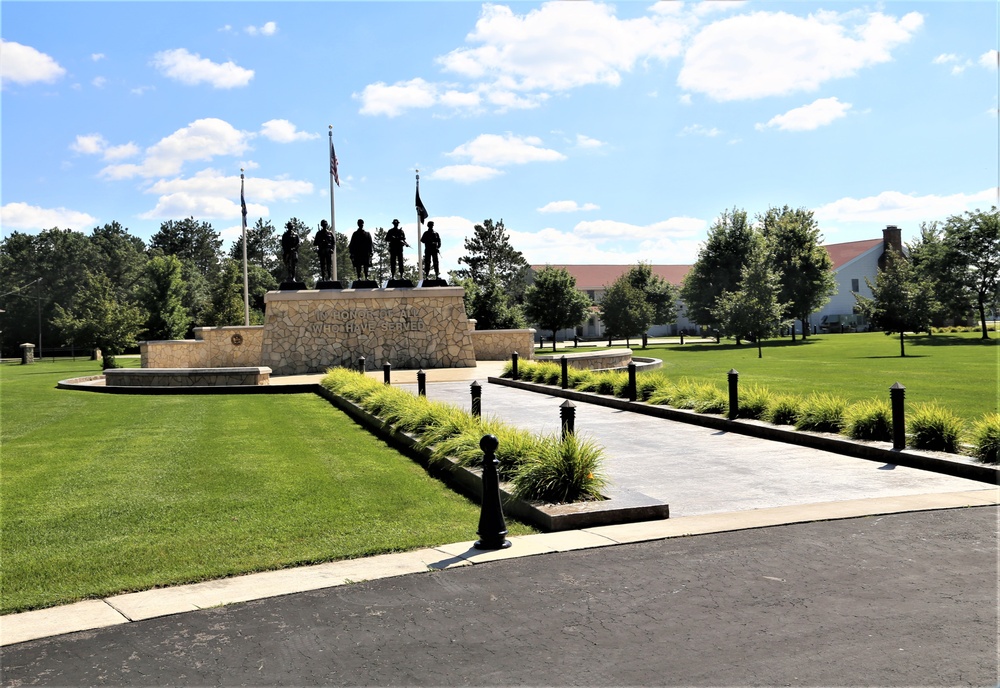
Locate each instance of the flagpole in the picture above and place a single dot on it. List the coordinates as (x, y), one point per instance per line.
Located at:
(333, 217)
(246, 277)
(420, 262)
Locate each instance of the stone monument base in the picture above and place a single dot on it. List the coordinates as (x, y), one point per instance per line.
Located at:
(309, 331)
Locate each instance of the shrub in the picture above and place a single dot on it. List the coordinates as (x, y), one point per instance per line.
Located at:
(685, 394)
(515, 447)
(986, 438)
(663, 395)
(869, 420)
(607, 382)
(565, 471)
(647, 383)
(753, 401)
(782, 410)
(549, 373)
(578, 377)
(508, 369)
(934, 427)
(821, 412)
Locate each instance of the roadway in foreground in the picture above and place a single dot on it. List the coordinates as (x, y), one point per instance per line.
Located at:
(896, 600)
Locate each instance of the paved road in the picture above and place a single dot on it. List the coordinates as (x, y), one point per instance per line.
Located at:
(699, 470)
(899, 600)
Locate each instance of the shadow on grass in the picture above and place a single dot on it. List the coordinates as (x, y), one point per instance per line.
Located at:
(733, 346)
(950, 340)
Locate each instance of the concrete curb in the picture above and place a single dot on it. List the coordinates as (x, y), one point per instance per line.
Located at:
(622, 506)
(872, 451)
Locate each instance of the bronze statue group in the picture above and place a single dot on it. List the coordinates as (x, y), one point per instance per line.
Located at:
(361, 248)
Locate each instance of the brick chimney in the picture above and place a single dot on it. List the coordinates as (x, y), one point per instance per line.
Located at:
(892, 240)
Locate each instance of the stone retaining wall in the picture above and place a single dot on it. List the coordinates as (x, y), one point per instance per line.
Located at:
(186, 377)
(593, 360)
(212, 347)
(498, 345)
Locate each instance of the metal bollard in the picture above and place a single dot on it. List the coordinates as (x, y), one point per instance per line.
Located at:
(492, 527)
(386, 371)
(477, 398)
(609, 341)
(644, 340)
(576, 342)
(567, 416)
(361, 364)
(734, 393)
(513, 366)
(896, 395)
(632, 394)
(565, 372)
(682, 337)
(421, 383)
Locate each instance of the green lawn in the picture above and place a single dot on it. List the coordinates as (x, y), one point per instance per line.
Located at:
(109, 493)
(960, 371)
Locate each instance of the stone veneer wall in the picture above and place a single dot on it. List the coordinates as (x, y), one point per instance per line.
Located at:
(498, 345)
(187, 377)
(310, 331)
(593, 360)
(212, 347)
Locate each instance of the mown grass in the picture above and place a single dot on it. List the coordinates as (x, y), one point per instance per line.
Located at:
(960, 371)
(106, 493)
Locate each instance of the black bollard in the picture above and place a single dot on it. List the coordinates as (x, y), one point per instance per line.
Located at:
(477, 398)
(492, 527)
(386, 372)
(609, 341)
(682, 337)
(576, 342)
(644, 340)
(421, 383)
(361, 364)
(513, 366)
(632, 395)
(567, 416)
(734, 394)
(896, 394)
(565, 372)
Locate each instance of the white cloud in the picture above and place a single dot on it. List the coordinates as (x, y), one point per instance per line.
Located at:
(990, 59)
(684, 99)
(492, 149)
(99, 82)
(192, 69)
(268, 29)
(97, 57)
(89, 144)
(556, 246)
(283, 131)
(203, 139)
(699, 130)
(22, 64)
(774, 53)
(516, 60)
(588, 142)
(24, 216)
(121, 152)
(608, 230)
(465, 174)
(391, 101)
(567, 207)
(816, 114)
(945, 58)
(211, 194)
(895, 207)
(139, 90)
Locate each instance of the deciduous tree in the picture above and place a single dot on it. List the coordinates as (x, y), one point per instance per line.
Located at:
(975, 238)
(161, 294)
(718, 266)
(755, 309)
(192, 241)
(554, 302)
(99, 318)
(625, 310)
(901, 302)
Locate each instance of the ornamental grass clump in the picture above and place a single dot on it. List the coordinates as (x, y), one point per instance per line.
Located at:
(515, 447)
(869, 420)
(821, 413)
(685, 394)
(986, 438)
(754, 400)
(708, 398)
(664, 394)
(349, 384)
(782, 410)
(608, 382)
(647, 383)
(549, 373)
(564, 471)
(934, 427)
(590, 383)
(578, 377)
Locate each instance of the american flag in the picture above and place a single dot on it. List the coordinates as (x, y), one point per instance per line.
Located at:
(243, 203)
(333, 164)
(421, 210)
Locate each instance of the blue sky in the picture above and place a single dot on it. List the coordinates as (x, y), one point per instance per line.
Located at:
(599, 132)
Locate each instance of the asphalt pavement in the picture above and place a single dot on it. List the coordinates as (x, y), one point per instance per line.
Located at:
(896, 600)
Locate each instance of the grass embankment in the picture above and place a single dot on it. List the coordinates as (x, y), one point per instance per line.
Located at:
(959, 371)
(109, 493)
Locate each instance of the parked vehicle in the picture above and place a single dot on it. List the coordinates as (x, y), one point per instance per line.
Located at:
(843, 323)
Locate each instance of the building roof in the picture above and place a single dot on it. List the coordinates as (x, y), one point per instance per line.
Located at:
(600, 276)
(841, 254)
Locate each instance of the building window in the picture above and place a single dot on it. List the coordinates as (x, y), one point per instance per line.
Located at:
(855, 285)
(590, 295)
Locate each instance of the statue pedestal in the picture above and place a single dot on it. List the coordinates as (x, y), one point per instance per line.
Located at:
(291, 285)
(431, 283)
(397, 284)
(364, 284)
(329, 284)
(310, 331)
